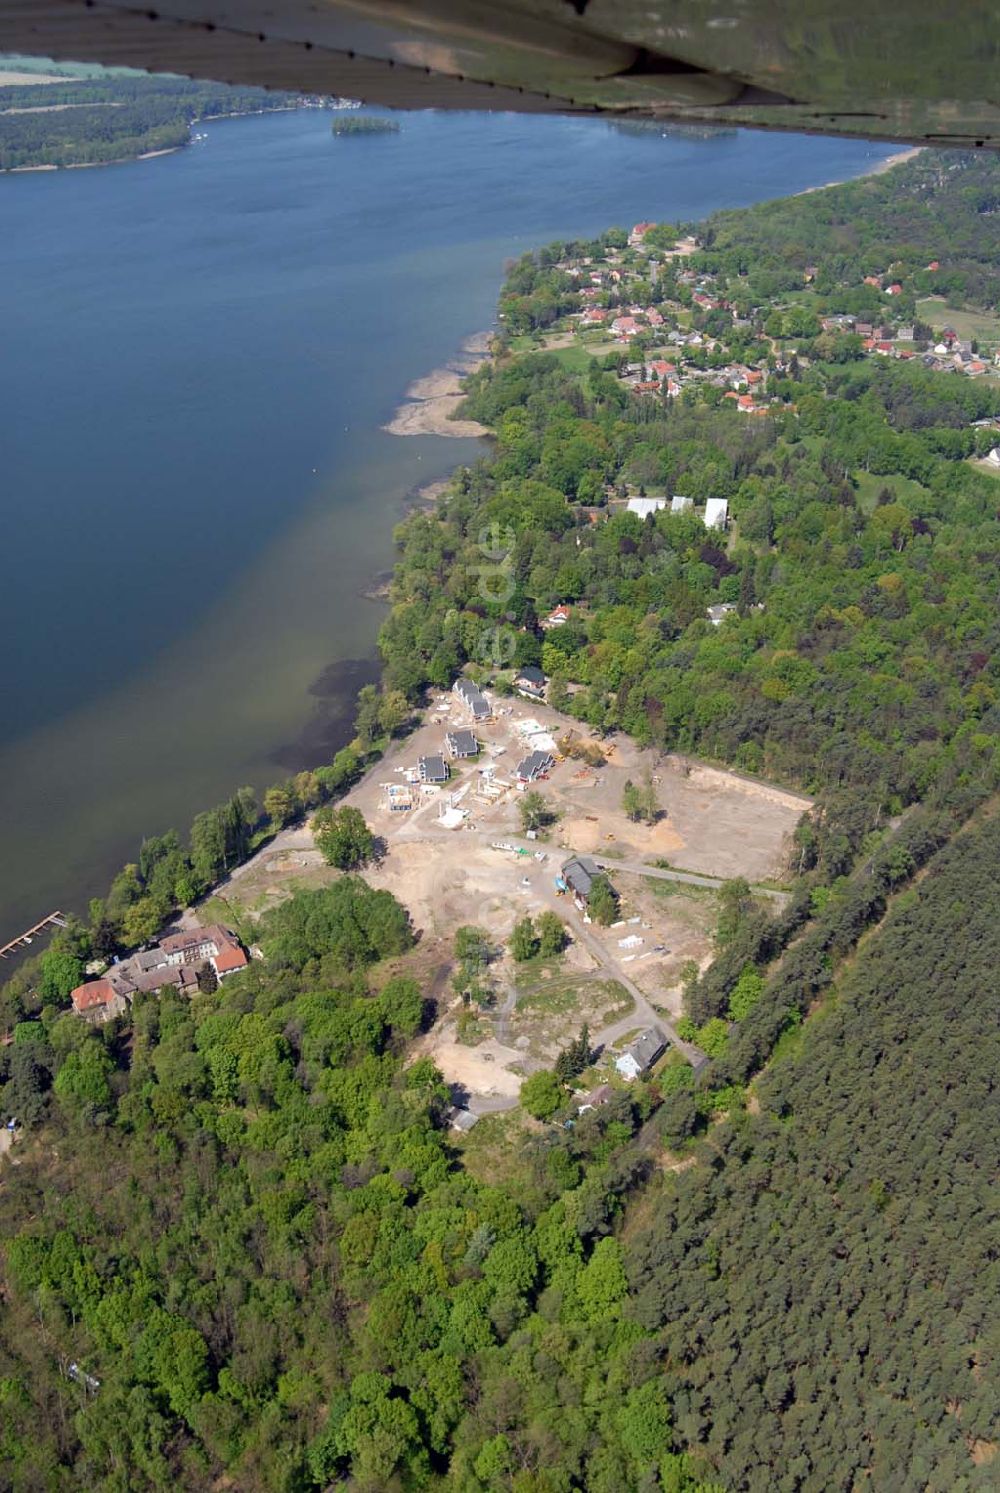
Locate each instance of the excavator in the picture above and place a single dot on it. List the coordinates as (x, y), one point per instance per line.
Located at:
(914, 71)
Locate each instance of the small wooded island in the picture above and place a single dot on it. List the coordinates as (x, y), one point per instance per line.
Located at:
(367, 124)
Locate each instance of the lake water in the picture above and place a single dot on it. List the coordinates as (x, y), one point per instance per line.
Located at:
(197, 355)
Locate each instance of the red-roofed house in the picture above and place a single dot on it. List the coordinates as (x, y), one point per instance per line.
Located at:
(214, 945)
(557, 617)
(661, 367)
(625, 326)
(593, 316)
(175, 960)
(98, 1000)
(228, 960)
(639, 233)
(745, 403)
(873, 280)
(895, 289)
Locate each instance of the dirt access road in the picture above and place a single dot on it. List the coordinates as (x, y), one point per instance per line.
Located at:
(660, 873)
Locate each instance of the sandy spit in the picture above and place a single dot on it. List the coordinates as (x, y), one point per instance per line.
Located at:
(430, 403)
(28, 80)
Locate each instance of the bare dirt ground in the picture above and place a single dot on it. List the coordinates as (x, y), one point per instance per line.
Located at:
(616, 979)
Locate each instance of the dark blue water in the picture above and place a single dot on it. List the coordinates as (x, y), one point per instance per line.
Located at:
(198, 353)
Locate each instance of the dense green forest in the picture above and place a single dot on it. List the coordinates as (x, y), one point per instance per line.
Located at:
(823, 1289)
(246, 1223)
(87, 121)
(242, 1246)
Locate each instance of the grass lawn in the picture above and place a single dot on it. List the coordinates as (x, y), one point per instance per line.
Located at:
(544, 989)
(577, 359)
(869, 486)
(494, 1150)
(686, 891)
(981, 325)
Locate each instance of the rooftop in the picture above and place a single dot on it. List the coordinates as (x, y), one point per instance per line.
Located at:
(647, 1047)
(579, 873)
(93, 994)
(535, 763)
(462, 743)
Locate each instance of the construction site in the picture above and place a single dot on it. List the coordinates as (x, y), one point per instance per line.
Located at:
(446, 804)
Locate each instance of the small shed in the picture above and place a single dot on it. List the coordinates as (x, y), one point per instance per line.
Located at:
(595, 1099)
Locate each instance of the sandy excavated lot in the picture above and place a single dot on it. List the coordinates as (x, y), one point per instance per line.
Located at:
(715, 823)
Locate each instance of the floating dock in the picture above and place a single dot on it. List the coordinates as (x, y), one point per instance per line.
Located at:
(54, 920)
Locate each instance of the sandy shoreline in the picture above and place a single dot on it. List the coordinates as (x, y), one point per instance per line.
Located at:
(896, 160)
(879, 169)
(150, 155)
(430, 402)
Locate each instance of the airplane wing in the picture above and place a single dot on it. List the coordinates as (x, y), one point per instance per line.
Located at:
(913, 71)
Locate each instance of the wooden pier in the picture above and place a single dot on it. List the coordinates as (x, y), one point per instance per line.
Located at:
(54, 920)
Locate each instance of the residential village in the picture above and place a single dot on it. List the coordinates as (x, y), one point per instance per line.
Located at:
(669, 329)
